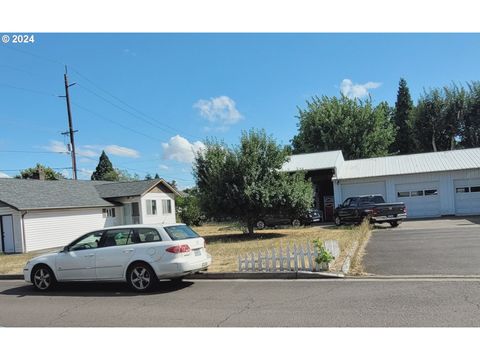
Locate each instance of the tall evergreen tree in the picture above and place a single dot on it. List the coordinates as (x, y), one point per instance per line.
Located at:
(157, 176)
(105, 170)
(403, 117)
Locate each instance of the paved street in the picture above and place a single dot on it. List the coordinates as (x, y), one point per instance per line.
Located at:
(248, 303)
(426, 247)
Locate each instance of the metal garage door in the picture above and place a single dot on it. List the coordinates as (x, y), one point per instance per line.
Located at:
(467, 196)
(371, 188)
(421, 199)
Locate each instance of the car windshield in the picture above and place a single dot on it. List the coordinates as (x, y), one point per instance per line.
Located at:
(180, 232)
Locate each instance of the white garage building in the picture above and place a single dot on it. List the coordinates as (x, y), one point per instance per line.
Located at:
(430, 184)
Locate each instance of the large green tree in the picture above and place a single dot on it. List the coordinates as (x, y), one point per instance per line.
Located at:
(440, 118)
(105, 170)
(403, 117)
(34, 173)
(245, 182)
(356, 127)
(471, 129)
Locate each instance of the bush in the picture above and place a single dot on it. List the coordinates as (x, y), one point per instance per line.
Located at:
(188, 210)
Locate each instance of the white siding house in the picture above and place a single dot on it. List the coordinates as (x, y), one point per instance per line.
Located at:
(36, 214)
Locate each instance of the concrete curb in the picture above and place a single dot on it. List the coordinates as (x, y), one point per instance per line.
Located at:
(11, 277)
(238, 275)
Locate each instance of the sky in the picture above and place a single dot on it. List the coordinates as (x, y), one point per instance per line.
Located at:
(151, 100)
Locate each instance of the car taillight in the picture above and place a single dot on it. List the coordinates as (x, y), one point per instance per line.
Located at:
(177, 249)
(405, 209)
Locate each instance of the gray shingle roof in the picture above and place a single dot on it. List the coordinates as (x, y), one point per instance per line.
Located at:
(128, 188)
(37, 194)
(55, 194)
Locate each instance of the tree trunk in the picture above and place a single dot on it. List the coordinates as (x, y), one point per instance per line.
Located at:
(434, 145)
(250, 226)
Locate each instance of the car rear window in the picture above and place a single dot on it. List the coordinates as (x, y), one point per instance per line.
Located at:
(180, 232)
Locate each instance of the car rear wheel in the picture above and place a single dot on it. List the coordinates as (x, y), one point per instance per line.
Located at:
(296, 223)
(338, 222)
(260, 225)
(43, 278)
(394, 223)
(141, 277)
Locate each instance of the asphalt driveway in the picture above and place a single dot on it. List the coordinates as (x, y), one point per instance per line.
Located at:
(447, 246)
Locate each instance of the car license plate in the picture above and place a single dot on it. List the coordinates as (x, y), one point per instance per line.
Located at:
(391, 216)
(198, 252)
(204, 264)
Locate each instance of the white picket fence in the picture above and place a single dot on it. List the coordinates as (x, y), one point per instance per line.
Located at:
(297, 258)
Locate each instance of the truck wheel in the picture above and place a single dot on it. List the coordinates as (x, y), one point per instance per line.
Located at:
(394, 224)
(338, 222)
(296, 223)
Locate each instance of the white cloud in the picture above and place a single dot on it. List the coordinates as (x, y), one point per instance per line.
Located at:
(220, 111)
(3, 175)
(65, 173)
(163, 167)
(122, 151)
(56, 146)
(351, 90)
(180, 149)
(87, 172)
(93, 151)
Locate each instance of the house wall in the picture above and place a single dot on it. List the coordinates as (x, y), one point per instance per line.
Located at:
(17, 226)
(160, 217)
(388, 185)
(55, 228)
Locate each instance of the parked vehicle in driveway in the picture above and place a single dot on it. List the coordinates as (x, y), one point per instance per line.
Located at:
(137, 254)
(279, 218)
(356, 208)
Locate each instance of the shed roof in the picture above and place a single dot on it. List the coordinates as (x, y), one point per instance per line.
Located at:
(313, 161)
(411, 164)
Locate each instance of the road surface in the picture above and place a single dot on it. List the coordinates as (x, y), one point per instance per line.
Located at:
(240, 303)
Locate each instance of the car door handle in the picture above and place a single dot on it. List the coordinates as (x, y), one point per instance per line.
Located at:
(89, 255)
(126, 251)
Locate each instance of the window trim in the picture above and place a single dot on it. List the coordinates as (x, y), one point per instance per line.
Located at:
(167, 202)
(151, 210)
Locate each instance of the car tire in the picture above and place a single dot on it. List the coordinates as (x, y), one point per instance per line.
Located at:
(296, 223)
(141, 277)
(43, 278)
(260, 224)
(394, 224)
(337, 220)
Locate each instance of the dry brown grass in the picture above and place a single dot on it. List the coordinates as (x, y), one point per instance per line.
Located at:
(226, 242)
(13, 264)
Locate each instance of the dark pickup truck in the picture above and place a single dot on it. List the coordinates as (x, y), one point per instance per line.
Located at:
(355, 209)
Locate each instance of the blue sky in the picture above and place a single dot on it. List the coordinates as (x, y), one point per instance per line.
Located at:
(149, 99)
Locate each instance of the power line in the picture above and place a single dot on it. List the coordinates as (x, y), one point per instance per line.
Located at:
(54, 168)
(115, 122)
(155, 121)
(27, 89)
(34, 152)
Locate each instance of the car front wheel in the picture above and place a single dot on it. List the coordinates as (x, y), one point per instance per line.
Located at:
(338, 222)
(141, 277)
(43, 278)
(260, 225)
(296, 223)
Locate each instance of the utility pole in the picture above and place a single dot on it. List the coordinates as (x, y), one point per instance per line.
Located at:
(70, 125)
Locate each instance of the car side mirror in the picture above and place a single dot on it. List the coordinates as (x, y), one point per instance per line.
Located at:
(65, 249)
